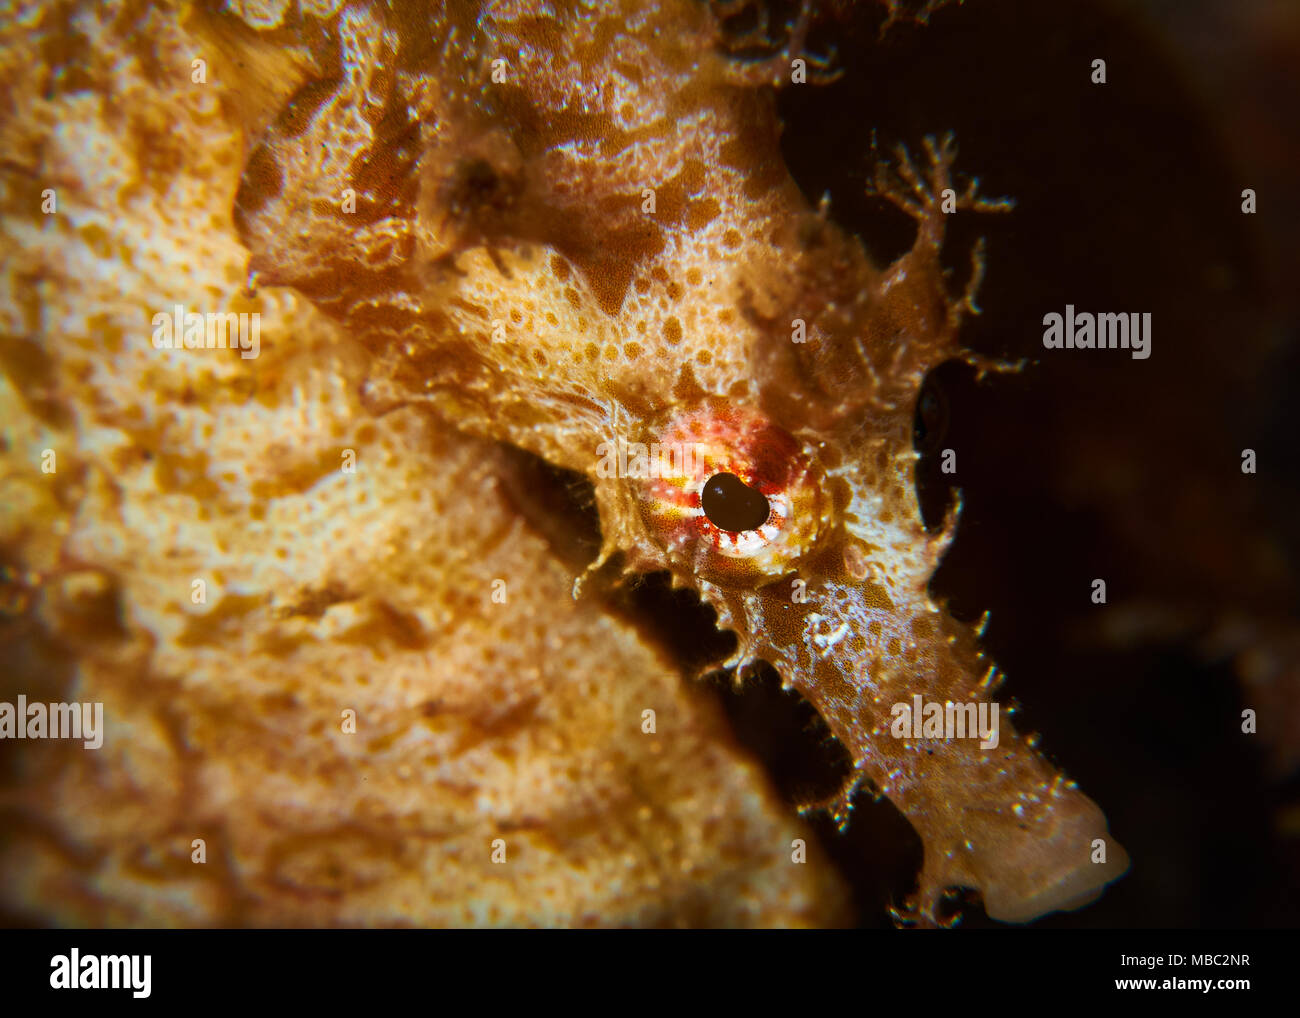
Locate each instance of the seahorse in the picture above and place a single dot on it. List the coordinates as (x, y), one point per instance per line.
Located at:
(563, 226)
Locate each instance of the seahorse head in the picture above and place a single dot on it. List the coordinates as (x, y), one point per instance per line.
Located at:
(595, 240)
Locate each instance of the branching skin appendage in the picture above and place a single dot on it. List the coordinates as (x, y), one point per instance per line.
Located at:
(623, 259)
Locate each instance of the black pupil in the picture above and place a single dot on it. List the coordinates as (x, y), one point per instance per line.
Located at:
(731, 504)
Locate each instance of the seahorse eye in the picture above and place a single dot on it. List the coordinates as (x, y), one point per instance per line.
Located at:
(731, 504)
(748, 503)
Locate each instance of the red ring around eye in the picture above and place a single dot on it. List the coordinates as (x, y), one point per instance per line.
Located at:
(704, 443)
